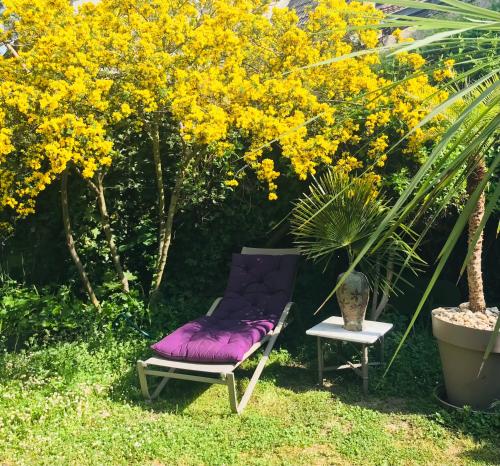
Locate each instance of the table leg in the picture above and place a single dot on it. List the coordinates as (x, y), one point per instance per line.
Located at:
(364, 368)
(320, 362)
(382, 353)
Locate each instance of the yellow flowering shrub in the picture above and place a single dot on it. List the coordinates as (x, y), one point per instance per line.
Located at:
(55, 101)
(221, 69)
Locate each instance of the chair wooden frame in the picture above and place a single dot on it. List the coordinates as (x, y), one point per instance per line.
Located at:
(215, 373)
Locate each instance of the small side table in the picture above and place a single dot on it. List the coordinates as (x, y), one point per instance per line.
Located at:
(332, 329)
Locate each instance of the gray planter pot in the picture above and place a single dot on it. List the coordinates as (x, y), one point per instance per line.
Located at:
(353, 297)
(462, 350)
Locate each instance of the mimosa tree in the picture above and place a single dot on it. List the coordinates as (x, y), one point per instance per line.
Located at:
(222, 73)
(56, 109)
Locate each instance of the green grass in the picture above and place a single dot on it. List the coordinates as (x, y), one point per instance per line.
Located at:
(79, 403)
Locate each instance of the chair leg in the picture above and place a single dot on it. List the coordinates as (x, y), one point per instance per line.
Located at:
(231, 386)
(141, 365)
(364, 368)
(320, 362)
(258, 371)
(382, 352)
(161, 385)
(262, 363)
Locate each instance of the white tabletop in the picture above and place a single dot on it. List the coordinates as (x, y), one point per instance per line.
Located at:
(333, 328)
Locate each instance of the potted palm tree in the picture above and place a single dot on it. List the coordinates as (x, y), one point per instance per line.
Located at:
(464, 332)
(340, 213)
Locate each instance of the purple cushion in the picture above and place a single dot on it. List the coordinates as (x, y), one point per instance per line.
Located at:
(258, 289)
(212, 340)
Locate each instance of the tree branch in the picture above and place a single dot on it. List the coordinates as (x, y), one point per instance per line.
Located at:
(187, 156)
(106, 225)
(154, 134)
(71, 243)
(377, 311)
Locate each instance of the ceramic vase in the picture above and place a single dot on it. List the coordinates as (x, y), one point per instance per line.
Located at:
(353, 296)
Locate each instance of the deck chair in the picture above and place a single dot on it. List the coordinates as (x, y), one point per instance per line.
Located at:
(250, 315)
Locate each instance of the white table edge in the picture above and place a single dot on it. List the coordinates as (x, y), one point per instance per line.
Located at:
(368, 336)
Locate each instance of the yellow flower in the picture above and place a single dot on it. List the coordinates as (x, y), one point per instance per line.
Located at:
(445, 73)
(414, 60)
(125, 109)
(378, 146)
(398, 35)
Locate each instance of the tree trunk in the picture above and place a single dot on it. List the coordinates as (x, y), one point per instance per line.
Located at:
(167, 219)
(155, 138)
(474, 272)
(378, 307)
(71, 243)
(166, 239)
(106, 225)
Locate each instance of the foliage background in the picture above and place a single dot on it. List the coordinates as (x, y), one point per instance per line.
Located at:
(41, 295)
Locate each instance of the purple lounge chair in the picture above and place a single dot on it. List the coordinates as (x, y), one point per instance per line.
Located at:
(250, 315)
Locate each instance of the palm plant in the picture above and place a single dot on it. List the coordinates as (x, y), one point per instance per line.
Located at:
(341, 213)
(482, 115)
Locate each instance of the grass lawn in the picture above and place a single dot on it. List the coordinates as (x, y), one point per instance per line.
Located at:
(79, 403)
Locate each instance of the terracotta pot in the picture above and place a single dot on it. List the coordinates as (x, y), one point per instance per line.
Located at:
(353, 297)
(462, 350)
